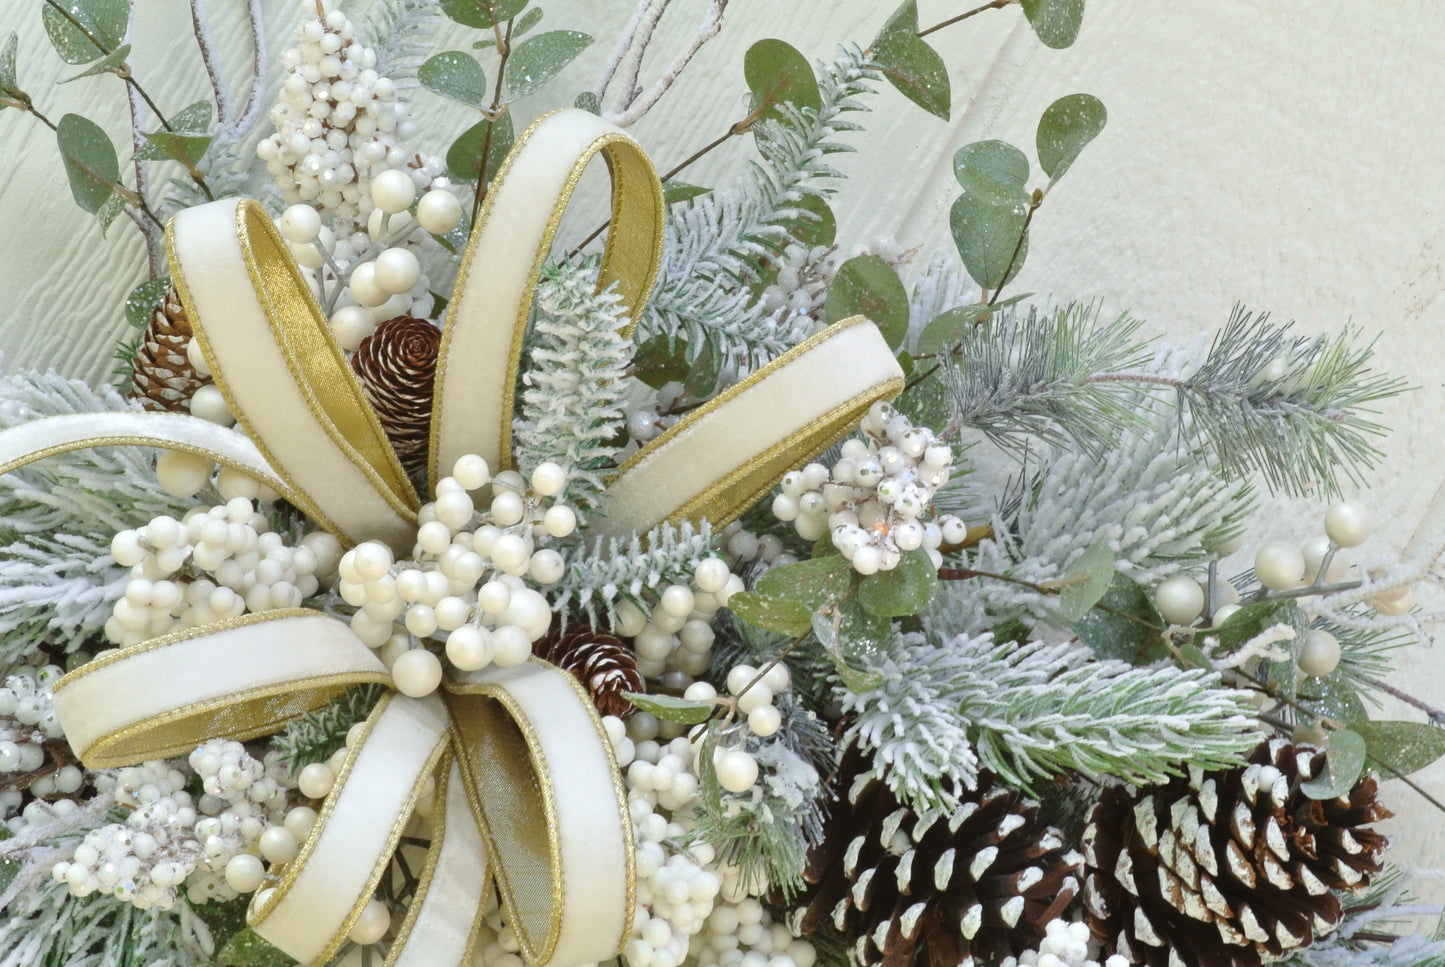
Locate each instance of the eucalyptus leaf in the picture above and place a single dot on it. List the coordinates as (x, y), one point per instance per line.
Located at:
(926, 402)
(829, 636)
(194, 118)
(481, 13)
(703, 375)
(587, 101)
(113, 208)
(674, 191)
(1067, 126)
(947, 328)
(660, 360)
(143, 300)
(90, 161)
(820, 230)
(994, 167)
(110, 63)
(185, 148)
(771, 614)
(1334, 696)
(1124, 624)
(867, 285)
(1087, 581)
(464, 156)
(1056, 22)
(9, 78)
(671, 708)
(776, 73)
(1255, 617)
(991, 238)
(1404, 747)
(1344, 762)
(87, 29)
(456, 75)
(911, 65)
(905, 590)
(537, 60)
(527, 21)
(247, 949)
(814, 583)
(9, 868)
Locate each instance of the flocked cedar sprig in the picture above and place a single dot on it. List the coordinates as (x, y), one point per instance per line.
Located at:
(572, 397)
(1292, 407)
(313, 737)
(48, 927)
(608, 570)
(58, 581)
(944, 711)
(715, 243)
(1025, 378)
(1378, 930)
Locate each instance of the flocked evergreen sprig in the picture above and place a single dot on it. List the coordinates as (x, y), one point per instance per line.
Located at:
(313, 737)
(58, 581)
(943, 711)
(1380, 929)
(48, 927)
(572, 397)
(715, 244)
(607, 571)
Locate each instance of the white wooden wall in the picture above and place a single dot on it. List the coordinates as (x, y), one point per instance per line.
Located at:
(1284, 155)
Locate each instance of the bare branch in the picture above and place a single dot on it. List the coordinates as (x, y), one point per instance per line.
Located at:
(202, 29)
(637, 106)
(624, 45)
(252, 112)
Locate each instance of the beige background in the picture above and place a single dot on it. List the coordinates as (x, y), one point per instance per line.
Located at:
(1285, 155)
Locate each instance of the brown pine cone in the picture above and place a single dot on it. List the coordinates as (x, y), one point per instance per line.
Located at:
(977, 885)
(601, 662)
(162, 378)
(1230, 868)
(396, 365)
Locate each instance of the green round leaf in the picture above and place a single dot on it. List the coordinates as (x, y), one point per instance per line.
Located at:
(778, 615)
(660, 360)
(143, 300)
(1056, 22)
(464, 157)
(671, 708)
(87, 29)
(820, 231)
(9, 79)
(990, 237)
(1066, 127)
(814, 583)
(867, 285)
(992, 167)
(1087, 581)
(90, 161)
(776, 73)
(456, 75)
(905, 590)
(537, 60)
(911, 66)
(1124, 624)
(1343, 764)
(587, 101)
(481, 13)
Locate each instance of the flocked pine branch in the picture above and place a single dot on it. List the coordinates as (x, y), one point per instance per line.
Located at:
(1293, 408)
(603, 572)
(402, 34)
(1377, 931)
(942, 285)
(1033, 710)
(313, 737)
(572, 400)
(715, 243)
(57, 578)
(48, 927)
(1023, 378)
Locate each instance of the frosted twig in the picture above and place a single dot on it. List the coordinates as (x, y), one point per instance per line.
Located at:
(149, 228)
(624, 46)
(640, 105)
(252, 111)
(202, 29)
(632, 63)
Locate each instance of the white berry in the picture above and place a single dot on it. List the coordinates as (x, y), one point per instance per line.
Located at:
(1180, 599)
(1348, 523)
(1320, 653)
(1279, 565)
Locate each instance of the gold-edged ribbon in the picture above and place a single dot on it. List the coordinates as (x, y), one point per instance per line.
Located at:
(508, 745)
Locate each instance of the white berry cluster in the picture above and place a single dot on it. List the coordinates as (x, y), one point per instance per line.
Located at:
(674, 642)
(470, 579)
(1065, 944)
(742, 547)
(28, 723)
(170, 841)
(872, 501)
(375, 275)
(338, 122)
(213, 563)
(754, 692)
(800, 287)
(690, 907)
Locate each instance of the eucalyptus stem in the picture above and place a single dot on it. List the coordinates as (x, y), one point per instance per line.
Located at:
(504, 49)
(991, 5)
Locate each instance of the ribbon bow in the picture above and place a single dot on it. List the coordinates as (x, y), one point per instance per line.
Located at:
(525, 773)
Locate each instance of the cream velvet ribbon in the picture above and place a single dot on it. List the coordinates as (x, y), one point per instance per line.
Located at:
(525, 766)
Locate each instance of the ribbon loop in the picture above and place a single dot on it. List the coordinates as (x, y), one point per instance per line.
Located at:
(487, 319)
(272, 356)
(551, 804)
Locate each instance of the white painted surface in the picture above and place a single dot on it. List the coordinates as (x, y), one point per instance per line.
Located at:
(1283, 155)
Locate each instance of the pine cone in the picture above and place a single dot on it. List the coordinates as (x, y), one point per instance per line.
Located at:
(981, 883)
(1230, 868)
(601, 662)
(162, 378)
(397, 367)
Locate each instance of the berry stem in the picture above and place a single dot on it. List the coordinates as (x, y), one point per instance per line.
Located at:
(991, 5)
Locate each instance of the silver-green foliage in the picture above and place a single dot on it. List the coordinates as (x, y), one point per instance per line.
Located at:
(606, 571)
(714, 243)
(57, 578)
(403, 34)
(315, 736)
(573, 381)
(47, 927)
(945, 711)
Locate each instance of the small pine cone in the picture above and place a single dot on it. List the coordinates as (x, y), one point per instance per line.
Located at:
(1230, 868)
(397, 367)
(601, 662)
(162, 377)
(980, 883)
